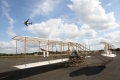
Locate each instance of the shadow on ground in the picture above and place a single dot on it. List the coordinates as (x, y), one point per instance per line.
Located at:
(88, 71)
(23, 73)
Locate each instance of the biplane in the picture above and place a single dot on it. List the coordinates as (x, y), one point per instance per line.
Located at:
(65, 53)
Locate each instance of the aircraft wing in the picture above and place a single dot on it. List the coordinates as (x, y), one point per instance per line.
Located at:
(30, 65)
(27, 20)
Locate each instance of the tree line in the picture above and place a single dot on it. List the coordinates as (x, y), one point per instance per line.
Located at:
(41, 53)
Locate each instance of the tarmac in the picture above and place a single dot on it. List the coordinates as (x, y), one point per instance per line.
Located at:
(58, 72)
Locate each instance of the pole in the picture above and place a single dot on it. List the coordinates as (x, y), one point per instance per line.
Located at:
(25, 52)
(52, 50)
(39, 51)
(61, 51)
(76, 46)
(48, 49)
(68, 50)
(16, 54)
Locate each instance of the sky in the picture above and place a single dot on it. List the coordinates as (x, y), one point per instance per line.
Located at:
(87, 22)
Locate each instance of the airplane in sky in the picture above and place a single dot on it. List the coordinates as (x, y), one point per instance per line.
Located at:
(26, 22)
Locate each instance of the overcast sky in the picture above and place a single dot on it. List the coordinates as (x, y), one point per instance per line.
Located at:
(84, 21)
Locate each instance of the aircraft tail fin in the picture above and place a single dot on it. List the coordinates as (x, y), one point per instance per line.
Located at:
(31, 23)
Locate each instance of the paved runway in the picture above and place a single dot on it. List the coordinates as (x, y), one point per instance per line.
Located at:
(57, 72)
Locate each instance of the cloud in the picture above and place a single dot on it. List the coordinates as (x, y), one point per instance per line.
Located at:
(5, 9)
(10, 47)
(87, 31)
(55, 28)
(95, 43)
(111, 37)
(72, 31)
(92, 14)
(46, 29)
(71, 18)
(44, 7)
(109, 4)
(7, 45)
(11, 33)
(5, 3)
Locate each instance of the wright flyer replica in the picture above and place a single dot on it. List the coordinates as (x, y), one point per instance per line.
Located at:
(60, 52)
